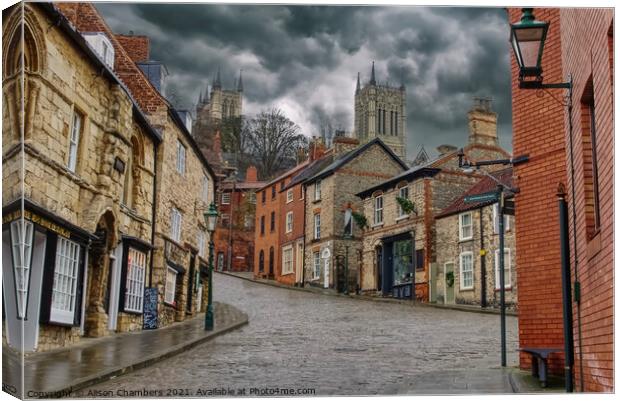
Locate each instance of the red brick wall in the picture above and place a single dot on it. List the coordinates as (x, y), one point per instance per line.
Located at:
(297, 206)
(538, 130)
(137, 46)
(586, 55)
(239, 239)
(269, 238)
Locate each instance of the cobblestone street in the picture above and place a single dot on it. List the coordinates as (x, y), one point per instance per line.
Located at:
(330, 344)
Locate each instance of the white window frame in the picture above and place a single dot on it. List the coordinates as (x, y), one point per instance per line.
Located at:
(462, 226)
(176, 224)
(64, 288)
(462, 271)
(317, 190)
(289, 196)
(317, 226)
(378, 210)
(171, 285)
(316, 271)
(22, 235)
(496, 220)
(289, 222)
(507, 269)
(180, 157)
(74, 141)
(205, 189)
(225, 198)
(287, 264)
(134, 285)
(401, 212)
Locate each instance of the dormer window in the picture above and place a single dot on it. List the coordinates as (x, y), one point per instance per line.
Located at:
(101, 44)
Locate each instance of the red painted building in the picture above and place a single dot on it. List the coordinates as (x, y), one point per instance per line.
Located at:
(234, 235)
(580, 158)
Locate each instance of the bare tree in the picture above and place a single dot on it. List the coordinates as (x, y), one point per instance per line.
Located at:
(273, 141)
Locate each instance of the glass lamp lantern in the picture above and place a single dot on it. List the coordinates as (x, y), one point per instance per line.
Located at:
(527, 38)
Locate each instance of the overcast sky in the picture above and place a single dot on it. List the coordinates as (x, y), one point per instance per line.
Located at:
(305, 59)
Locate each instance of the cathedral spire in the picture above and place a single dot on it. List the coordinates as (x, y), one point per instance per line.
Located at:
(240, 82)
(205, 99)
(357, 88)
(373, 81)
(217, 83)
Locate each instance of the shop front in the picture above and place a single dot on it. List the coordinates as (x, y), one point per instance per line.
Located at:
(396, 262)
(44, 259)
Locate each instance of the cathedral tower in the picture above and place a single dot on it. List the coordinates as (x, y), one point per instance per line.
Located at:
(380, 111)
(220, 103)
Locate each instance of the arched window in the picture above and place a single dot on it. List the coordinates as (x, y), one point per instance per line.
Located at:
(261, 261)
(23, 50)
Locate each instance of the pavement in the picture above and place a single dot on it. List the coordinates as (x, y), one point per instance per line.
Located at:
(318, 290)
(301, 344)
(64, 371)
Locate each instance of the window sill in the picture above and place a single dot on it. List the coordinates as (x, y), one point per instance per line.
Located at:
(170, 305)
(377, 225)
(466, 239)
(286, 274)
(316, 201)
(401, 218)
(466, 289)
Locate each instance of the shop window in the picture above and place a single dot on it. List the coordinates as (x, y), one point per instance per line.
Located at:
(496, 220)
(74, 141)
(466, 230)
(176, 224)
(317, 226)
(180, 157)
(316, 272)
(64, 288)
(507, 269)
(287, 260)
(261, 261)
(289, 222)
(378, 213)
(403, 267)
(590, 161)
(21, 239)
(171, 285)
(467, 271)
(134, 287)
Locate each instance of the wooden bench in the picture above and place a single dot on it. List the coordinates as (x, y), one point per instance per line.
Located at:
(539, 362)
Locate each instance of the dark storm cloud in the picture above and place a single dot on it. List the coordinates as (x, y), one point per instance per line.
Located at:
(305, 59)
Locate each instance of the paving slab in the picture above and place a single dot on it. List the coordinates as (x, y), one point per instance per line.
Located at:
(59, 372)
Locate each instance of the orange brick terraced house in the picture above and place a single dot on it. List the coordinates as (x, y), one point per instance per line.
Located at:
(570, 149)
(234, 235)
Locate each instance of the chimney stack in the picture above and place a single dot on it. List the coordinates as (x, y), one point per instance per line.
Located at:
(482, 123)
(343, 144)
(251, 174)
(316, 149)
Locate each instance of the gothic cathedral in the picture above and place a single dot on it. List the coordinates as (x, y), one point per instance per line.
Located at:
(220, 103)
(380, 111)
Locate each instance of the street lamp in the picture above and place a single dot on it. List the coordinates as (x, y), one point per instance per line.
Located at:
(211, 219)
(347, 235)
(527, 38)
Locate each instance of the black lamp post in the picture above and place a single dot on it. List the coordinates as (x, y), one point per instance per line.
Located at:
(348, 234)
(211, 219)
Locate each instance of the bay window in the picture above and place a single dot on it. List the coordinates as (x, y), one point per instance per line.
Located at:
(134, 286)
(64, 288)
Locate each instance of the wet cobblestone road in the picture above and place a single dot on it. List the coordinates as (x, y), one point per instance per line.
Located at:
(333, 345)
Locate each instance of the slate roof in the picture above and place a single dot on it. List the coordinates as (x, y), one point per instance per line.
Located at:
(310, 170)
(486, 184)
(347, 157)
(410, 174)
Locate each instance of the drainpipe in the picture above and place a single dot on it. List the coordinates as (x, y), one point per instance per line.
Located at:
(153, 215)
(566, 291)
(483, 269)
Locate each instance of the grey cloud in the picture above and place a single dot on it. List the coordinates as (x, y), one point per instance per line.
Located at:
(445, 55)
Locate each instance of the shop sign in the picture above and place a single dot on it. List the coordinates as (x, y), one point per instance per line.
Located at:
(35, 218)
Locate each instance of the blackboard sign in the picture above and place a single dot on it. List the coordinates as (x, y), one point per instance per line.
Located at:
(150, 308)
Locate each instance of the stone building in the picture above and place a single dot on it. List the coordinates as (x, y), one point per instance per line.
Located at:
(185, 185)
(381, 112)
(430, 187)
(86, 156)
(331, 237)
(575, 161)
(468, 249)
(234, 235)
